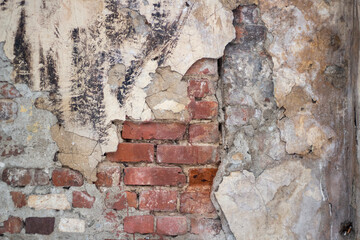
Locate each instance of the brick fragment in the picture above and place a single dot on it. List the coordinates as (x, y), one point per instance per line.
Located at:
(39, 225)
(12, 225)
(196, 203)
(49, 201)
(132, 152)
(19, 199)
(8, 109)
(201, 178)
(65, 177)
(171, 226)
(152, 130)
(205, 66)
(158, 200)
(108, 175)
(7, 90)
(159, 176)
(139, 224)
(203, 109)
(186, 154)
(205, 225)
(120, 201)
(20, 177)
(199, 88)
(82, 200)
(204, 133)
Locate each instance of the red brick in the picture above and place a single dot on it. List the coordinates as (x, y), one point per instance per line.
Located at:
(199, 88)
(204, 133)
(205, 66)
(203, 109)
(8, 90)
(20, 177)
(120, 201)
(139, 224)
(64, 177)
(151, 130)
(108, 175)
(8, 109)
(154, 176)
(196, 203)
(39, 225)
(201, 178)
(171, 226)
(82, 200)
(205, 225)
(132, 152)
(186, 154)
(158, 200)
(12, 225)
(19, 199)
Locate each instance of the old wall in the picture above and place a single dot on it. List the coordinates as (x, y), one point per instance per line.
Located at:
(149, 119)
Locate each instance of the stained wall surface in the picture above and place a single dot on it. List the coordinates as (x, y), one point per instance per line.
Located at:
(144, 119)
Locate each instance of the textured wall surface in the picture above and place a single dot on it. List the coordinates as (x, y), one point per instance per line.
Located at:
(145, 119)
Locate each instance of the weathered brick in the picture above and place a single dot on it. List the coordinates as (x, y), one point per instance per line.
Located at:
(139, 224)
(171, 225)
(65, 177)
(82, 200)
(132, 152)
(8, 90)
(205, 66)
(20, 177)
(49, 201)
(72, 225)
(108, 175)
(120, 201)
(199, 88)
(186, 154)
(39, 225)
(196, 203)
(203, 109)
(201, 178)
(158, 200)
(152, 130)
(160, 176)
(205, 225)
(12, 225)
(204, 133)
(19, 199)
(8, 109)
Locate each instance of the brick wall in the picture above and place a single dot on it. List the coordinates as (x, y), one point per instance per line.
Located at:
(157, 184)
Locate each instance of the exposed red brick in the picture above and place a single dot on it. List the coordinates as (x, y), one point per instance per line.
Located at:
(171, 226)
(203, 109)
(12, 225)
(196, 202)
(201, 178)
(204, 133)
(120, 201)
(240, 32)
(38, 225)
(8, 109)
(186, 154)
(158, 200)
(82, 200)
(152, 130)
(139, 224)
(205, 225)
(199, 88)
(205, 66)
(108, 175)
(19, 199)
(8, 90)
(20, 177)
(154, 176)
(132, 152)
(65, 177)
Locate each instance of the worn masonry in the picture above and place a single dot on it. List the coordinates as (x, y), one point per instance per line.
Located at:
(146, 119)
